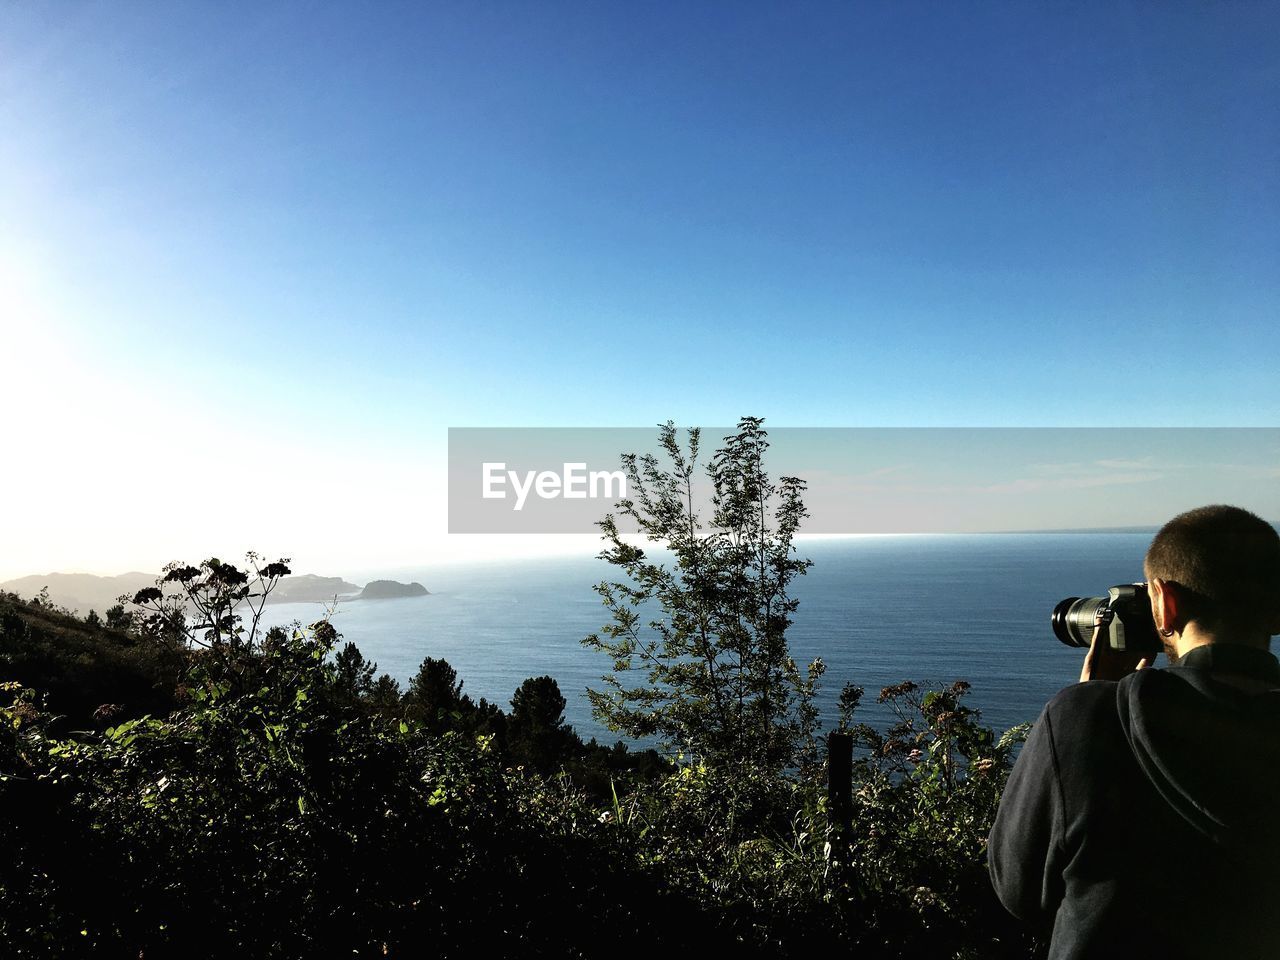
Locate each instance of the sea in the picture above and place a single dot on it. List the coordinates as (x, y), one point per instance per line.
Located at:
(878, 610)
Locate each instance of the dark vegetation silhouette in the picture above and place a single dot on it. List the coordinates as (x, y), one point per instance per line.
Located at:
(708, 629)
(181, 780)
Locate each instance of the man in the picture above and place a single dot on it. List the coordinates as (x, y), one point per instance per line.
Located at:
(1142, 817)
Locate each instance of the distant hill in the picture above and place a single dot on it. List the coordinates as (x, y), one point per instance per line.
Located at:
(384, 589)
(308, 588)
(82, 592)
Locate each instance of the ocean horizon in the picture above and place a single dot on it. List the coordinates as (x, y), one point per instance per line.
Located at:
(878, 610)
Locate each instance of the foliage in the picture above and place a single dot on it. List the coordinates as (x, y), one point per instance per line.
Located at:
(353, 674)
(785, 880)
(926, 795)
(279, 822)
(721, 683)
(217, 595)
(536, 731)
(118, 618)
(291, 805)
(85, 671)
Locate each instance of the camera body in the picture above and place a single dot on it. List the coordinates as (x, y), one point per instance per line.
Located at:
(1126, 612)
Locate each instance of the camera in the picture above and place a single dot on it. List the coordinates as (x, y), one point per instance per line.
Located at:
(1126, 613)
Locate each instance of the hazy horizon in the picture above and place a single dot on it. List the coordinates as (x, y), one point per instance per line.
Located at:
(360, 576)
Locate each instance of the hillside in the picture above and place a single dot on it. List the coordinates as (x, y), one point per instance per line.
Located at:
(82, 592)
(81, 665)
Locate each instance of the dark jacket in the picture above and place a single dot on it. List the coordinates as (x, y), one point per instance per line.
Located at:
(1142, 817)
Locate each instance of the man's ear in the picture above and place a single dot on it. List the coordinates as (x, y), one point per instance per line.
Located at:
(1164, 604)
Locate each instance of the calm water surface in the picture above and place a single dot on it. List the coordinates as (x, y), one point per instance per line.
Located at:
(878, 610)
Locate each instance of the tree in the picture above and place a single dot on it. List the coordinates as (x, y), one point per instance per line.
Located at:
(436, 684)
(721, 682)
(118, 619)
(538, 704)
(536, 731)
(353, 674)
(385, 697)
(435, 695)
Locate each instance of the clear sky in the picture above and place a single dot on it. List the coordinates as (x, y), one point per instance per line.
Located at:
(255, 258)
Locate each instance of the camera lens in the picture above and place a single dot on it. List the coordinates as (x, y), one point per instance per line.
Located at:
(1074, 617)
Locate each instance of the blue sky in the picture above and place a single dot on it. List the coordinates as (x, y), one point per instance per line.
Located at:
(302, 239)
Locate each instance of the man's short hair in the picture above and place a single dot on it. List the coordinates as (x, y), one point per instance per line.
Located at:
(1225, 565)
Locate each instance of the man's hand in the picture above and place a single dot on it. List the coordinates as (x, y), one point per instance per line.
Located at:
(1103, 663)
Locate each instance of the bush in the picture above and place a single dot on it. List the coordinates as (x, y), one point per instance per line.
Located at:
(279, 822)
(292, 806)
(784, 879)
(81, 666)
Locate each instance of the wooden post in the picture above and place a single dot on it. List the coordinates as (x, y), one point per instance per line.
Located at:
(840, 779)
